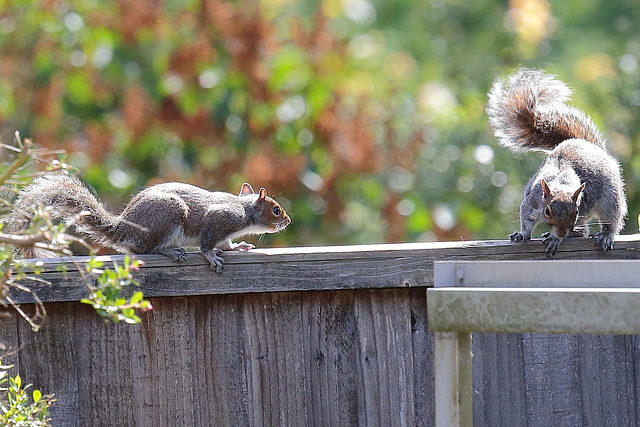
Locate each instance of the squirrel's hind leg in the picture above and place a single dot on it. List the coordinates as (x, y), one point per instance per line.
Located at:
(603, 239)
(214, 256)
(175, 254)
(156, 225)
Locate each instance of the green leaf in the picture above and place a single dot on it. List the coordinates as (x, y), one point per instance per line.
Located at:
(17, 381)
(136, 297)
(36, 396)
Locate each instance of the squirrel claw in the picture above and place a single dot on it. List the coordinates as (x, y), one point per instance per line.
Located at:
(175, 254)
(215, 259)
(552, 246)
(602, 240)
(516, 236)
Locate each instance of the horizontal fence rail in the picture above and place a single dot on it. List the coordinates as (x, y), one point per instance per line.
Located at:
(314, 268)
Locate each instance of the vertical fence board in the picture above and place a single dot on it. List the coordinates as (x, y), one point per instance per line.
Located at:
(422, 351)
(103, 353)
(274, 351)
(387, 314)
(606, 367)
(218, 354)
(169, 336)
(48, 360)
(332, 383)
(498, 377)
(552, 379)
(9, 343)
(635, 357)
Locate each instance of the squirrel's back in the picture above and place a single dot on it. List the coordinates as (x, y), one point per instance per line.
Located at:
(527, 111)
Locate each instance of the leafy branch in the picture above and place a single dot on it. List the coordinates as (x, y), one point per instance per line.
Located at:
(106, 296)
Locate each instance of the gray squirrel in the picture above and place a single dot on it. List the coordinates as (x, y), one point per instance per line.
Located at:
(159, 219)
(578, 180)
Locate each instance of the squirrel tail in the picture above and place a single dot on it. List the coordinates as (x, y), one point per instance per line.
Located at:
(70, 200)
(527, 111)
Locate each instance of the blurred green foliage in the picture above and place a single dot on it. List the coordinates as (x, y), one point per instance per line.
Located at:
(365, 118)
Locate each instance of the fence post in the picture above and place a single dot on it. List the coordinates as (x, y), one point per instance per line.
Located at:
(454, 381)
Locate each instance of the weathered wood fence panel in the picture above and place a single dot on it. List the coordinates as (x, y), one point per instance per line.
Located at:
(347, 344)
(296, 358)
(556, 380)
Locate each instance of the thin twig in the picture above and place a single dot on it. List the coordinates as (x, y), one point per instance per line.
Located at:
(25, 239)
(21, 160)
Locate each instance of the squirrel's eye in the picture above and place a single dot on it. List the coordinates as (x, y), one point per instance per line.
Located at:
(547, 212)
(277, 211)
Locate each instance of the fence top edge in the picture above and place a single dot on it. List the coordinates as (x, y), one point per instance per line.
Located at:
(485, 249)
(401, 265)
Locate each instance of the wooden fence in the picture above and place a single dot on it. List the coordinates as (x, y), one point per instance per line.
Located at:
(328, 336)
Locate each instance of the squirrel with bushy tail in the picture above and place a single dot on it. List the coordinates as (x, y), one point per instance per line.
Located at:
(578, 180)
(160, 219)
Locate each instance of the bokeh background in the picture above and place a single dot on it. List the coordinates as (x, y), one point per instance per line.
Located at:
(365, 118)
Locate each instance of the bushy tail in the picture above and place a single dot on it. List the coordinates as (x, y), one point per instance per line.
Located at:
(69, 200)
(527, 111)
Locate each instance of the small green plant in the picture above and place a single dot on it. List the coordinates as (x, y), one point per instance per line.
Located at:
(52, 237)
(107, 297)
(19, 409)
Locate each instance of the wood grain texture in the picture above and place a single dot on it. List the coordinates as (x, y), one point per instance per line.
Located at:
(316, 268)
(347, 344)
(341, 358)
(499, 384)
(606, 364)
(48, 358)
(423, 368)
(9, 343)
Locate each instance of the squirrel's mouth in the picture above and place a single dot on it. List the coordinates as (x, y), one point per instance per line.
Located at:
(560, 232)
(281, 225)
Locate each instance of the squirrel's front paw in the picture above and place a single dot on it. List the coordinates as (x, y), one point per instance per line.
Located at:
(517, 236)
(215, 260)
(553, 244)
(242, 246)
(603, 240)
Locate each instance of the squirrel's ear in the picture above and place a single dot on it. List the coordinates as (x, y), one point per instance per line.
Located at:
(576, 195)
(263, 194)
(246, 189)
(545, 188)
